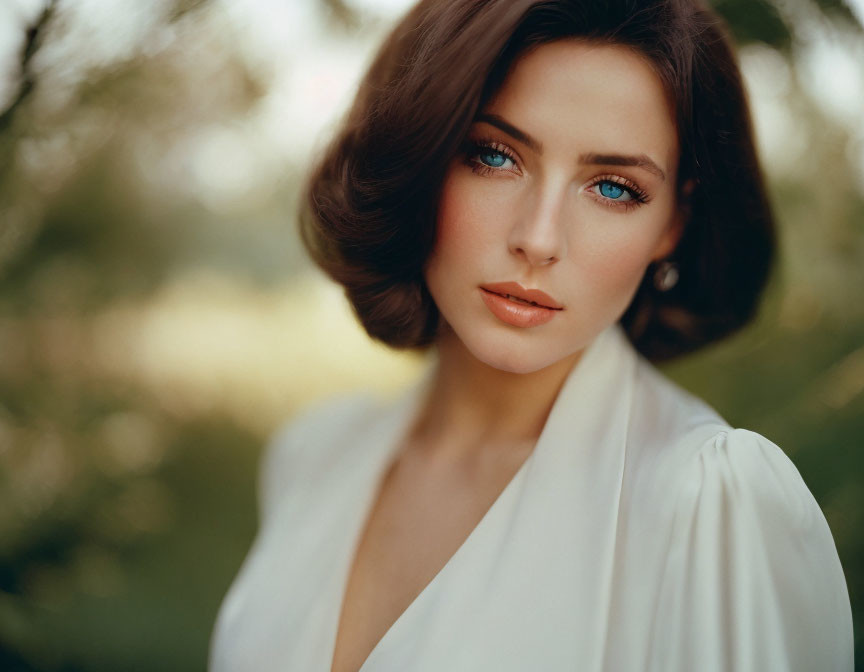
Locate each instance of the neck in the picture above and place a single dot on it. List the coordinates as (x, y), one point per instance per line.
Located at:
(472, 406)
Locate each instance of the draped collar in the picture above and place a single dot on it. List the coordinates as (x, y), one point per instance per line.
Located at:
(544, 550)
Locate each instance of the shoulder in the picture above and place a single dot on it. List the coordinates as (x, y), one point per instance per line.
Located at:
(709, 479)
(749, 541)
(750, 573)
(679, 440)
(308, 440)
(743, 472)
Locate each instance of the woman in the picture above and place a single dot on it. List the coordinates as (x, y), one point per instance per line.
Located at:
(551, 194)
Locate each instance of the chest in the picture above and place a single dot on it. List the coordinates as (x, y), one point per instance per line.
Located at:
(420, 518)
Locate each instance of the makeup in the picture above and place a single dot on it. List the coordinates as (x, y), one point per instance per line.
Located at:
(519, 307)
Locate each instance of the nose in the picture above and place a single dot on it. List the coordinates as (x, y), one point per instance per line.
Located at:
(538, 234)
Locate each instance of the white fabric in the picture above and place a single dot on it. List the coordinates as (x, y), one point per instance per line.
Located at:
(642, 533)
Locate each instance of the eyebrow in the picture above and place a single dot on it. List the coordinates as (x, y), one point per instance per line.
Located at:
(592, 158)
(510, 129)
(638, 161)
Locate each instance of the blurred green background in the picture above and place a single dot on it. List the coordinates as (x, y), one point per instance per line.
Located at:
(158, 319)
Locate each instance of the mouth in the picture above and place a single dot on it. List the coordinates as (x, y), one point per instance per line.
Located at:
(516, 293)
(517, 299)
(516, 306)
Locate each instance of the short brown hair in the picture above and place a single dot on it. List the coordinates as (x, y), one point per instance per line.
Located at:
(369, 209)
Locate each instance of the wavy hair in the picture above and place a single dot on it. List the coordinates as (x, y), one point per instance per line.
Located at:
(369, 206)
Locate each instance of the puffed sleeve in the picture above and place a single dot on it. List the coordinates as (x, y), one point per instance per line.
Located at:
(753, 581)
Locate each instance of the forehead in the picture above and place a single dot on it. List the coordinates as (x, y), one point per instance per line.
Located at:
(596, 97)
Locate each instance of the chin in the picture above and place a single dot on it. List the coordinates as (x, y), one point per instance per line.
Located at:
(515, 356)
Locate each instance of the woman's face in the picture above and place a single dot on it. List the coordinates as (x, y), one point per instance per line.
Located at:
(567, 186)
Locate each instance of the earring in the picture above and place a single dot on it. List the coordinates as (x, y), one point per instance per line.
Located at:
(666, 275)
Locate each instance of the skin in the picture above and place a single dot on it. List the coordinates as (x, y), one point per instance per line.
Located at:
(540, 218)
(537, 219)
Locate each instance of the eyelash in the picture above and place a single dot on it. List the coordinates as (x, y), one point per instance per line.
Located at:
(637, 194)
(475, 147)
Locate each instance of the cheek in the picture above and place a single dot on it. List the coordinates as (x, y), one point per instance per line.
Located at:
(464, 218)
(615, 261)
(618, 264)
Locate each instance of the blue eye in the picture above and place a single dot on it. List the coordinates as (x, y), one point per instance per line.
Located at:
(617, 192)
(612, 191)
(489, 157)
(492, 158)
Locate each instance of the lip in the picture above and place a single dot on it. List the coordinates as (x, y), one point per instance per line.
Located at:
(517, 290)
(517, 313)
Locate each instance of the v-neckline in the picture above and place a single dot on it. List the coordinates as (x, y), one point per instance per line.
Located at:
(406, 413)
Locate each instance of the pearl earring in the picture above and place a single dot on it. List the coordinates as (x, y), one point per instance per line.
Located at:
(666, 275)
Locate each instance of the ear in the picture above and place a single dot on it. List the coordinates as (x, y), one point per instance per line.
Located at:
(672, 235)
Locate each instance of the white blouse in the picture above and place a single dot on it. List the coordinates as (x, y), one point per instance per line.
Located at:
(642, 533)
